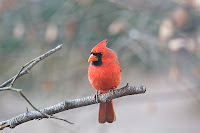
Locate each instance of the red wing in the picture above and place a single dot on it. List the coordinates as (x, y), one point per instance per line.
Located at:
(117, 61)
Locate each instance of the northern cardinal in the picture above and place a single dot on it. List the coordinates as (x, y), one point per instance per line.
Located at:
(104, 74)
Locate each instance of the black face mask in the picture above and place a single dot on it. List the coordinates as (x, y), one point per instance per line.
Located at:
(99, 62)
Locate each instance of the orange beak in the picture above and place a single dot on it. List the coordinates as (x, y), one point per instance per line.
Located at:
(92, 58)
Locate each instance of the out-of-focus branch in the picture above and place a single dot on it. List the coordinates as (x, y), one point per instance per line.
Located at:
(66, 105)
(29, 65)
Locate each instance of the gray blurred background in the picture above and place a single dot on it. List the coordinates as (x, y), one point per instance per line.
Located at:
(158, 45)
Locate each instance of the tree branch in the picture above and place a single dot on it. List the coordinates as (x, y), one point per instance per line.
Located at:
(29, 65)
(66, 105)
(23, 71)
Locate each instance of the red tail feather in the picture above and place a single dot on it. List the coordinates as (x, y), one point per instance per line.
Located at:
(102, 112)
(110, 113)
(106, 112)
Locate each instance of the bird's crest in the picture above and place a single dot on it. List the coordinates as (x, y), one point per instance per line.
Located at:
(100, 47)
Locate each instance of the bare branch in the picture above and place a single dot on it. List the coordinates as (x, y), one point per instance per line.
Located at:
(29, 102)
(29, 65)
(66, 105)
(25, 68)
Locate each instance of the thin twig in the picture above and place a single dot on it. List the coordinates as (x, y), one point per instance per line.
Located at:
(66, 105)
(25, 68)
(32, 63)
(29, 102)
(5, 88)
(15, 77)
(49, 116)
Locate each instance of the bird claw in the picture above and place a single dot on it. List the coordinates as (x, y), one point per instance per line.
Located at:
(112, 90)
(96, 96)
(127, 85)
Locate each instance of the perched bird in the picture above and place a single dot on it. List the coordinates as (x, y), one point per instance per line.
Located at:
(104, 74)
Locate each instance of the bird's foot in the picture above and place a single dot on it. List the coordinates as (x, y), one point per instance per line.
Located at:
(96, 96)
(112, 90)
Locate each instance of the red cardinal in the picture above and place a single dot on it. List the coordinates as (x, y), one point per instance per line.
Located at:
(104, 75)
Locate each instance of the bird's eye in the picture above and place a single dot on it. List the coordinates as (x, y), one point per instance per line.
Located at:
(94, 53)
